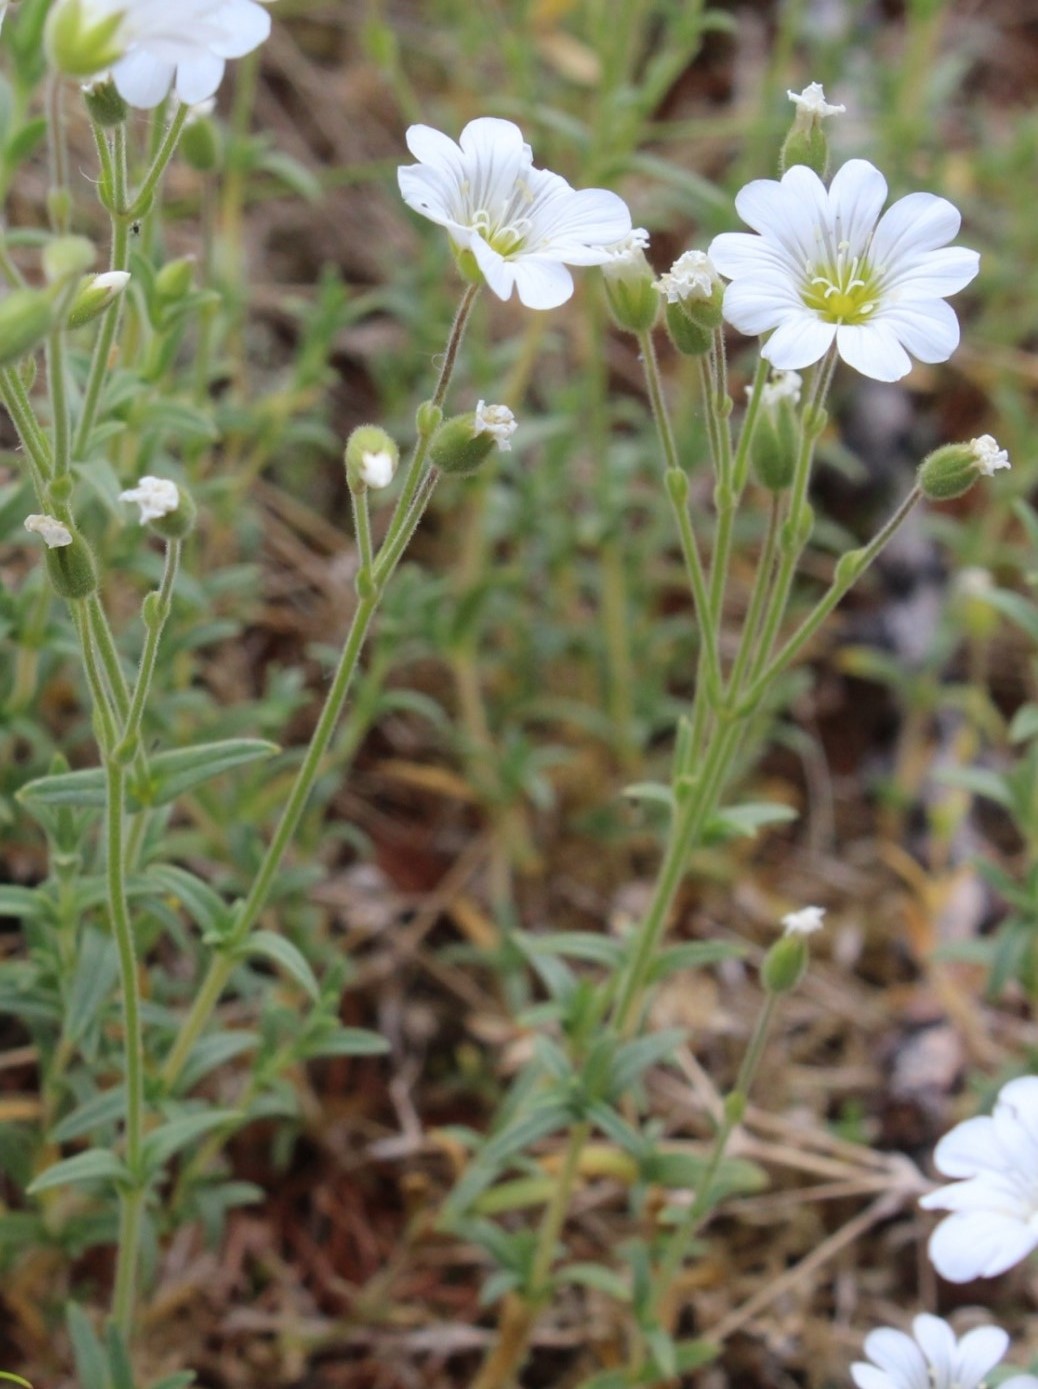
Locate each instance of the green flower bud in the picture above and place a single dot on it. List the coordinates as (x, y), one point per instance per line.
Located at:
(428, 418)
(629, 285)
(463, 442)
(104, 103)
(26, 317)
(94, 295)
(371, 458)
(67, 256)
(167, 508)
(776, 440)
(78, 45)
(807, 142)
(784, 965)
(951, 471)
(175, 280)
(695, 295)
(200, 145)
(70, 561)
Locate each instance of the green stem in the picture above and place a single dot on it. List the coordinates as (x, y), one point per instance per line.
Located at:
(849, 570)
(18, 406)
(762, 582)
(362, 526)
(735, 1105)
(57, 382)
(410, 506)
(157, 607)
(145, 194)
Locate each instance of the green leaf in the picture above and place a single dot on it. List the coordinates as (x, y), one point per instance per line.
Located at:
(162, 1143)
(92, 1114)
(1024, 725)
(202, 902)
(579, 945)
(547, 1117)
(633, 1059)
(97, 965)
(95, 1165)
(120, 1371)
(603, 1280)
(170, 774)
(87, 1351)
(980, 781)
(213, 1051)
(180, 1380)
(347, 1041)
(25, 903)
(746, 821)
(655, 792)
(286, 956)
(694, 954)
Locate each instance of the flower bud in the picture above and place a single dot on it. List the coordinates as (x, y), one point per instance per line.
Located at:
(26, 317)
(629, 284)
(784, 965)
(67, 256)
(371, 458)
(463, 442)
(80, 45)
(104, 103)
(174, 281)
(167, 508)
(807, 142)
(200, 143)
(695, 294)
(776, 439)
(70, 561)
(94, 294)
(951, 471)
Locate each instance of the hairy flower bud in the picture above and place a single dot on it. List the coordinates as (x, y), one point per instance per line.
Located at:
(94, 294)
(951, 471)
(806, 142)
(694, 295)
(371, 458)
(463, 442)
(104, 103)
(629, 284)
(70, 561)
(80, 43)
(775, 439)
(26, 317)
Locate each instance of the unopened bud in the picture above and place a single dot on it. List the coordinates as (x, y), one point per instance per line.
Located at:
(26, 317)
(784, 965)
(200, 142)
(70, 561)
(94, 295)
(951, 471)
(694, 294)
(67, 256)
(776, 438)
(630, 285)
(167, 508)
(371, 458)
(174, 281)
(807, 142)
(463, 442)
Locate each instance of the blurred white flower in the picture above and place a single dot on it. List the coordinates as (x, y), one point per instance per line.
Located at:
(812, 105)
(994, 1220)
(803, 922)
(932, 1358)
(497, 421)
(54, 533)
(825, 268)
(156, 497)
(522, 225)
(780, 386)
(185, 44)
(988, 455)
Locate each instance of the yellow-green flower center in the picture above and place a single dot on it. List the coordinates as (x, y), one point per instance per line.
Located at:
(843, 291)
(507, 237)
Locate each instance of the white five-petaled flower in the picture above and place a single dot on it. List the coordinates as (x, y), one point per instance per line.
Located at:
(156, 497)
(988, 455)
(994, 1206)
(812, 105)
(932, 1358)
(803, 922)
(54, 533)
(497, 421)
(692, 276)
(185, 45)
(826, 268)
(523, 226)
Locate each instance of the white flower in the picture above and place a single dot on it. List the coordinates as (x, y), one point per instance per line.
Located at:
(994, 1220)
(114, 280)
(497, 421)
(522, 225)
(781, 385)
(185, 44)
(156, 497)
(377, 468)
(803, 922)
(826, 267)
(812, 105)
(692, 276)
(627, 253)
(988, 455)
(54, 532)
(931, 1358)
